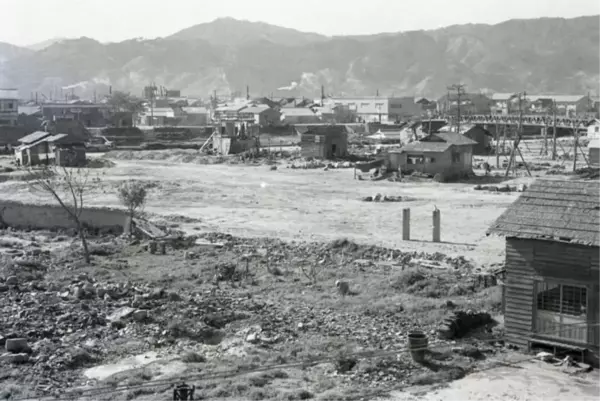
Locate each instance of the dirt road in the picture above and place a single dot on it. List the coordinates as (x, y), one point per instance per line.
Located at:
(529, 381)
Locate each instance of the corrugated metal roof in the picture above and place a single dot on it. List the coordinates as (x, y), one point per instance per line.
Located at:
(34, 137)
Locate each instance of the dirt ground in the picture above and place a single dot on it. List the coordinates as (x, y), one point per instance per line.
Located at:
(527, 381)
(276, 314)
(323, 205)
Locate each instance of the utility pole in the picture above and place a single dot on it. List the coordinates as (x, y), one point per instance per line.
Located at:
(152, 103)
(460, 90)
(517, 140)
(554, 130)
(247, 92)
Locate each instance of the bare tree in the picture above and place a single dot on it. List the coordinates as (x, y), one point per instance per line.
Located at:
(132, 195)
(67, 187)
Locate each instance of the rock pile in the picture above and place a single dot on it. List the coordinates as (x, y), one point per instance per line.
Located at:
(501, 188)
(382, 198)
(461, 323)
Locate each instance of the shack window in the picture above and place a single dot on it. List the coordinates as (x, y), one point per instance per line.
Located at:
(430, 160)
(455, 157)
(415, 160)
(10, 105)
(561, 311)
(564, 299)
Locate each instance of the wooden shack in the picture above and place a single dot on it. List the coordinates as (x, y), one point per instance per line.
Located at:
(446, 153)
(231, 138)
(324, 141)
(552, 245)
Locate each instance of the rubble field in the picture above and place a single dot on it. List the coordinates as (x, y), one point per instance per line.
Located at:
(133, 323)
(80, 323)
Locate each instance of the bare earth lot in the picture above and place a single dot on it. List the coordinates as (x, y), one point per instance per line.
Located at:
(309, 205)
(173, 326)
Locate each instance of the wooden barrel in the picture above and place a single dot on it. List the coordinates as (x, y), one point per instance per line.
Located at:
(417, 344)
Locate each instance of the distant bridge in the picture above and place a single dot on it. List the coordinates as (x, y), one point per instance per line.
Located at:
(529, 120)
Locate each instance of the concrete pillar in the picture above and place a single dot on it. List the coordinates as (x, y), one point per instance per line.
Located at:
(436, 225)
(406, 224)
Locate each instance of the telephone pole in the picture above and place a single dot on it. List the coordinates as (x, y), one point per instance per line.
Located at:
(460, 90)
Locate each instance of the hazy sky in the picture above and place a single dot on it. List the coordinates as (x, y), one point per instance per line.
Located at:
(27, 22)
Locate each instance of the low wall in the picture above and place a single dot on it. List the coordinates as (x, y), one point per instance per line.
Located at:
(25, 216)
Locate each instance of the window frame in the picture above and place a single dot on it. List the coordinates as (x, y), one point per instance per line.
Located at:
(543, 315)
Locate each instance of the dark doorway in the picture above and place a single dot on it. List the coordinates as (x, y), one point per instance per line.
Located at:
(333, 149)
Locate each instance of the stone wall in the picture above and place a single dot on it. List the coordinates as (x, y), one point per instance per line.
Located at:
(26, 216)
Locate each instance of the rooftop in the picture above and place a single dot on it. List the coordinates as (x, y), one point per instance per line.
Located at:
(425, 147)
(451, 138)
(34, 137)
(195, 110)
(298, 111)
(256, 109)
(559, 210)
(6, 93)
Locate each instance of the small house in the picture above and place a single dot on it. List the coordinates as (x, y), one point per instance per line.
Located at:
(551, 291)
(446, 153)
(194, 116)
(69, 150)
(30, 147)
(475, 132)
(262, 115)
(594, 152)
(324, 142)
(298, 115)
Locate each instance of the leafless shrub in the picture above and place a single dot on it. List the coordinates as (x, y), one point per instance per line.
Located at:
(132, 195)
(67, 186)
(311, 272)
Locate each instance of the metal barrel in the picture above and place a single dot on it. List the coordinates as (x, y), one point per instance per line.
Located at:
(417, 345)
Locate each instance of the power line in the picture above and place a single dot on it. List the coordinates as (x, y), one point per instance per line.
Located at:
(237, 372)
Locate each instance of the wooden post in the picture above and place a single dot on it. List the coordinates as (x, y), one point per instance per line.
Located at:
(436, 225)
(576, 148)
(406, 224)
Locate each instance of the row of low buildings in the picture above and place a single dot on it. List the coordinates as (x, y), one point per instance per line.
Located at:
(508, 103)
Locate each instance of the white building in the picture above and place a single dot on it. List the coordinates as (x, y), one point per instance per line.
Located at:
(9, 106)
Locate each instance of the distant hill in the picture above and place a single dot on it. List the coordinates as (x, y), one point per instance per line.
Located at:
(547, 55)
(232, 32)
(8, 51)
(44, 44)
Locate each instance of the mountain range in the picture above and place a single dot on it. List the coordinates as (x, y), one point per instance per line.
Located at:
(546, 55)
